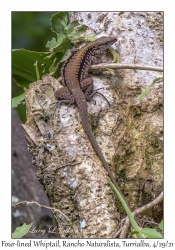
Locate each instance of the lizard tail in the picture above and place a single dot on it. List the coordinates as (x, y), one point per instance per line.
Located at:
(82, 107)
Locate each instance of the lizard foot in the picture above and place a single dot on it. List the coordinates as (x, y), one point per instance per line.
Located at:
(58, 103)
(96, 92)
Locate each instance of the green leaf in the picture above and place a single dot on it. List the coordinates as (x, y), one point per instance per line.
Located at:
(52, 62)
(140, 97)
(90, 38)
(55, 65)
(21, 231)
(161, 225)
(37, 71)
(156, 80)
(145, 92)
(151, 233)
(49, 57)
(78, 31)
(134, 232)
(51, 44)
(127, 210)
(60, 37)
(65, 44)
(17, 100)
(116, 57)
(54, 43)
(67, 54)
(23, 63)
(71, 26)
(58, 22)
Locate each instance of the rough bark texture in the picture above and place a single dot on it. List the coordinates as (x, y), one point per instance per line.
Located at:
(130, 132)
(25, 185)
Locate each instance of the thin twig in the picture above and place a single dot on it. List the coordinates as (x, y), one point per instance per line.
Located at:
(125, 66)
(104, 66)
(149, 205)
(117, 233)
(139, 211)
(36, 203)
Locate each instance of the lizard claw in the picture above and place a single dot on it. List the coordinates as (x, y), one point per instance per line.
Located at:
(59, 103)
(56, 106)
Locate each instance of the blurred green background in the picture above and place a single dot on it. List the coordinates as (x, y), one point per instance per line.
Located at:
(30, 31)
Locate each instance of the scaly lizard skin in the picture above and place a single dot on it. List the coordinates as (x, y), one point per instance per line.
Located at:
(79, 89)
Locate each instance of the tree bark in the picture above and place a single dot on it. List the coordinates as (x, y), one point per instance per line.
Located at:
(129, 132)
(25, 185)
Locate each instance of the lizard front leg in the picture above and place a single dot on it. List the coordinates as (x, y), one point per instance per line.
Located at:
(64, 96)
(87, 87)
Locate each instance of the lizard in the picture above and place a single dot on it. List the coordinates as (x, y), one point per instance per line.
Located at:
(78, 88)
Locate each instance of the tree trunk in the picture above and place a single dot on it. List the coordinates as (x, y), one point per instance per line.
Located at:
(25, 185)
(129, 132)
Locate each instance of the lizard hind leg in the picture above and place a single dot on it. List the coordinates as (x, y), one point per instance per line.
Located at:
(88, 88)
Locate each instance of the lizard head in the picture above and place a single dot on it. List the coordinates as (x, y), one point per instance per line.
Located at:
(103, 43)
